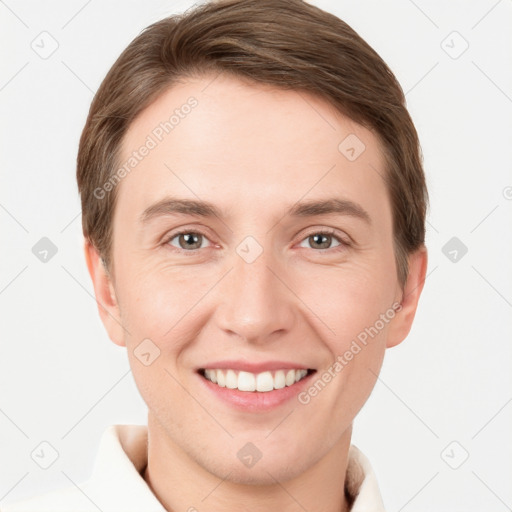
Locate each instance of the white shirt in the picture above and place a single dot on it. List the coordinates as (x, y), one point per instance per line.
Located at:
(116, 484)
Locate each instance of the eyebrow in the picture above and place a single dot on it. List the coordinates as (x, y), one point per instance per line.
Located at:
(311, 208)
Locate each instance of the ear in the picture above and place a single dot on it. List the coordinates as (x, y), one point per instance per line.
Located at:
(402, 322)
(106, 300)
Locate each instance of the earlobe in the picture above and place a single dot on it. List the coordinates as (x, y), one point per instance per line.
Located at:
(403, 320)
(104, 291)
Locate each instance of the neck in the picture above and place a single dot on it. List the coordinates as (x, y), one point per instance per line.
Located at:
(180, 483)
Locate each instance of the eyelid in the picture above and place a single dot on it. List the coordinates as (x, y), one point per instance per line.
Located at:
(183, 231)
(344, 243)
(342, 237)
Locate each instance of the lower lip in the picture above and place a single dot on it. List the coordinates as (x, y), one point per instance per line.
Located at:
(256, 401)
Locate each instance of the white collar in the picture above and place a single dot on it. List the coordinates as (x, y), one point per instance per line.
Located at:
(116, 483)
(129, 443)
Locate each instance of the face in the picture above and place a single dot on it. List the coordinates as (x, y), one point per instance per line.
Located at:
(248, 239)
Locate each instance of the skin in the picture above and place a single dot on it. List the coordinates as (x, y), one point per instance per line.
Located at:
(253, 151)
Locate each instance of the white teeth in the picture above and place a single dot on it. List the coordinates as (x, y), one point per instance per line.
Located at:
(221, 379)
(231, 379)
(279, 379)
(211, 375)
(290, 377)
(246, 381)
(262, 382)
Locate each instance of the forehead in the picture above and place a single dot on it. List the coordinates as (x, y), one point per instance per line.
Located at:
(246, 144)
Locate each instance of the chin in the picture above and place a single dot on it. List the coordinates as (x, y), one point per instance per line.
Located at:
(262, 473)
(264, 476)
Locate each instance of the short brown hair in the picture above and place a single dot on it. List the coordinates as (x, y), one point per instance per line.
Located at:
(289, 44)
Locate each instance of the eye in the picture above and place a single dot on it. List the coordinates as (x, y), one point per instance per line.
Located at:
(187, 240)
(190, 241)
(323, 240)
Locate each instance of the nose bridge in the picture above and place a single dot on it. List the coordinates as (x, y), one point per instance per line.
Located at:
(254, 303)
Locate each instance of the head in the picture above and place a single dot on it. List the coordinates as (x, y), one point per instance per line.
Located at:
(296, 224)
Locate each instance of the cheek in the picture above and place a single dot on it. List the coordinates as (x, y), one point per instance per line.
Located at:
(347, 299)
(160, 301)
(160, 309)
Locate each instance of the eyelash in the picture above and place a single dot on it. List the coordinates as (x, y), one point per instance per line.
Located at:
(343, 244)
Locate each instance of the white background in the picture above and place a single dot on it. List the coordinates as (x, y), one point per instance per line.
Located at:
(63, 381)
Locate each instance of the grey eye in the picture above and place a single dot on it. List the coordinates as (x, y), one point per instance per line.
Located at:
(320, 240)
(188, 240)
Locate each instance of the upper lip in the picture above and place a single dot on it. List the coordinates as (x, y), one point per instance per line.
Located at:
(254, 367)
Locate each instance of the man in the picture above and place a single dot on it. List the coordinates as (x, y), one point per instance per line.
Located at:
(253, 207)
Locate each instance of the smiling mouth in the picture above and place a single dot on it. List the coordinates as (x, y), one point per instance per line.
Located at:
(251, 382)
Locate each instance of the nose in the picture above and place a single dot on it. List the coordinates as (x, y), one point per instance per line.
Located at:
(255, 303)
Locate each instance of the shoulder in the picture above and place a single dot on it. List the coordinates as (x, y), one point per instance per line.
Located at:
(361, 483)
(115, 484)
